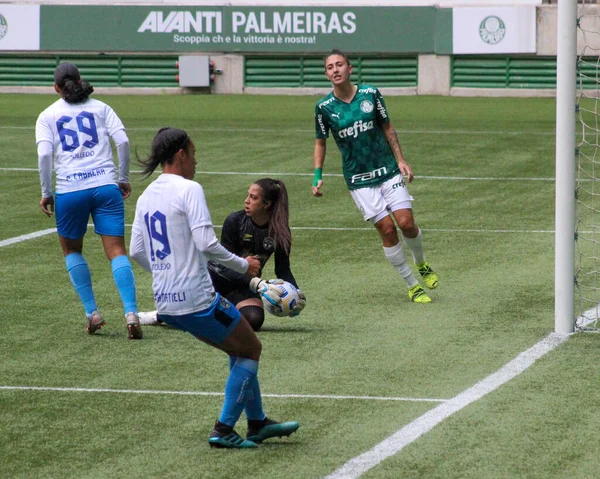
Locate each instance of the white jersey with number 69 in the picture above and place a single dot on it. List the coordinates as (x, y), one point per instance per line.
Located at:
(80, 134)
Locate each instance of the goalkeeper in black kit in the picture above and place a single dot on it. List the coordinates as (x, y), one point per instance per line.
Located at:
(261, 229)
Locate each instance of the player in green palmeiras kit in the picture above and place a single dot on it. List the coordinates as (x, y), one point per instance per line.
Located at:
(374, 168)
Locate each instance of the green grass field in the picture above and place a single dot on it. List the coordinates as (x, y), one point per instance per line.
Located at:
(361, 362)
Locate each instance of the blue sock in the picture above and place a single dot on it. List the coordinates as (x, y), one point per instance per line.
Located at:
(241, 376)
(81, 279)
(253, 409)
(123, 275)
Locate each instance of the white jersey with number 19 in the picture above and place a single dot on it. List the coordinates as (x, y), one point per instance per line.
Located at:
(80, 134)
(166, 214)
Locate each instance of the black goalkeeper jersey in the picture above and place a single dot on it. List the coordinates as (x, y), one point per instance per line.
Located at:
(243, 237)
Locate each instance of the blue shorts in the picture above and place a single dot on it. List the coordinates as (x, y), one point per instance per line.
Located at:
(214, 323)
(104, 203)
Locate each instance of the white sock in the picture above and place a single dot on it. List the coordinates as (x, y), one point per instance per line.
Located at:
(415, 245)
(395, 255)
(148, 318)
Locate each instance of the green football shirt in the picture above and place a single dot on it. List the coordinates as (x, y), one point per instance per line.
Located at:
(367, 159)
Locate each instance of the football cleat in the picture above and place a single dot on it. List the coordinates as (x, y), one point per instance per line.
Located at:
(134, 329)
(229, 440)
(258, 431)
(94, 322)
(429, 277)
(417, 294)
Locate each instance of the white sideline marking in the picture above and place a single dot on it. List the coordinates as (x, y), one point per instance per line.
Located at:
(437, 230)
(18, 239)
(396, 442)
(206, 393)
(37, 234)
(427, 230)
(273, 174)
(302, 130)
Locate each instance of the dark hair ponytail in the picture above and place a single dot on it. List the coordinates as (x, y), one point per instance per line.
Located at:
(275, 193)
(76, 91)
(166, 143)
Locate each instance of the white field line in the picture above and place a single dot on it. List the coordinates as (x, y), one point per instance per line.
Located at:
(357, 466)
(19, 239)
(207, 393)
(426, 230)
(302, 130)
(274, 174)
(37, 234)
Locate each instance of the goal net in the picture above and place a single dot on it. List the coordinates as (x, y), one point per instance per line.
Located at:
(587, 164)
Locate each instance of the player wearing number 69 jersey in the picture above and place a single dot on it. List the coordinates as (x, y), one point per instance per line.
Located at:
(74, 133)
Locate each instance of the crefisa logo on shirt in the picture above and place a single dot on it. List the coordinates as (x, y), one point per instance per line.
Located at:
(3, 27)
(366, 106)
(492, 29)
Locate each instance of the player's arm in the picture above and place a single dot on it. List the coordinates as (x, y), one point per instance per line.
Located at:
(321, 134)
(207, 243)
(116, 131)
(45, 169)
(137, 246)
(392, 139)
(319, 160)
(230, 233)
(122, 143)
(283, 269)
(383, 120)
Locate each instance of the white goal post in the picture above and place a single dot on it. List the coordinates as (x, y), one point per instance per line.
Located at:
(566, 90)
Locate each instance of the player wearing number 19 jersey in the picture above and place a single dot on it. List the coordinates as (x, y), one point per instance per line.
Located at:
(74, 133)
(373, 165)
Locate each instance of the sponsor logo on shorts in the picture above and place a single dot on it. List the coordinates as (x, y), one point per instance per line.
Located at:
(224, 303)
(400, 184)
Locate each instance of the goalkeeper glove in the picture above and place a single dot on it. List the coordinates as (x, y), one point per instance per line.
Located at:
(300, 304)
(267, 289)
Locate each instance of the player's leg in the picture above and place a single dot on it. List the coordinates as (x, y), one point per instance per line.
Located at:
(371, 202)
(72, 213)
(108, 213)
(222, 326)
(395, 255)
(228, 331)
(413, 238)
(249, 304)
(260, 427)
(399, 202)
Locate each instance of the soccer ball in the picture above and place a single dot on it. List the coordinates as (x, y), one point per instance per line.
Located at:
(289, 297)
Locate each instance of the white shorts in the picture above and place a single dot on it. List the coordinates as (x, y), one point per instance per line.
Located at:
(379, 201)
